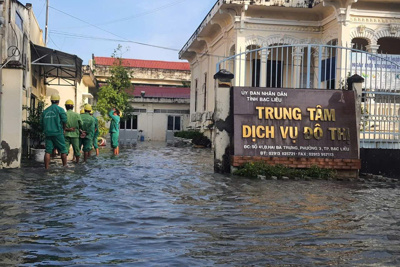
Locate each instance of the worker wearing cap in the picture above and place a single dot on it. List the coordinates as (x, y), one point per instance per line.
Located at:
(96, 133)
(114, 129)
(72, 129)
(53, 122)
(80, 139)
(87, 131)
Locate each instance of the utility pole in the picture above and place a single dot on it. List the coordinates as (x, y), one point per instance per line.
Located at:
(47, 23)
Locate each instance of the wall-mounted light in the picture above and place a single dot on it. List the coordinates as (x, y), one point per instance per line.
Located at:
(224, 78)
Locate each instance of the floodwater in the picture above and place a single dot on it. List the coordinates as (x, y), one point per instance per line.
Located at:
(163, 206)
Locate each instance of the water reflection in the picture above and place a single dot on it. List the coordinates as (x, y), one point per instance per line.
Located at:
(156, 205)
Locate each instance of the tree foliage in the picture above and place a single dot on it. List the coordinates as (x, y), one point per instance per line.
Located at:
(114, 93)
(34, 131)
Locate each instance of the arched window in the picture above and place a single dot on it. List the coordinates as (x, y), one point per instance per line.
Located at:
(389, 45)
(359, 44)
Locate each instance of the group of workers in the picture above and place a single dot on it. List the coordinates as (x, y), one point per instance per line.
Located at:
(63, 129)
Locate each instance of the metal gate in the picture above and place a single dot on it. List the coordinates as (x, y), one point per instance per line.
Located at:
(328, 67)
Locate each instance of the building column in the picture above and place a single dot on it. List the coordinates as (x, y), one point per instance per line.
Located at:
(355, 83)
(317, 59)
(223, 123)
(372, 48)
(297, 58)
(240, 62)
(263, 67)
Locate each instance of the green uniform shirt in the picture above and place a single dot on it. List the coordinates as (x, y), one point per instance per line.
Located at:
(73, 121)
(52, 120)
(88, 125)
(114, 127)
(96, 126)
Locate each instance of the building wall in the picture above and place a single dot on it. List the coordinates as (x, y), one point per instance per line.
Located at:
(77, 95)
(148, 76)
(11, 123)
(19, 79)
(154, 125)
(235, 29)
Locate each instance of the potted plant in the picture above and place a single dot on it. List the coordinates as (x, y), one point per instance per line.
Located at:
(34, 132)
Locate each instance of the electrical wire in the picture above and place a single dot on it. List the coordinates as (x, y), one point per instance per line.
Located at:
(51, 39)
(122, 39)
(137, 15)
(77, 36)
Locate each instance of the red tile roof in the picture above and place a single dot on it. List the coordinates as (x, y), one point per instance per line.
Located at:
(165, 92)
(139, 63)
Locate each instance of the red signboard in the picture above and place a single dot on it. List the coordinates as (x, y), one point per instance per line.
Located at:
(275, 122)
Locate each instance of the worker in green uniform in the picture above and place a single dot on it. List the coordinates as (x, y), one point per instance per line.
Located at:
(72, 130)
(80, 139)
(53, 122)
(96, 133)
(114, 129)
(87, 131)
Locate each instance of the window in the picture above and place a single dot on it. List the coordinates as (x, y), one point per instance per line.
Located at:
(18, 21)
(130, 123)
(205, 91)
(274, 73)
(33, 101)
(174, 123)
(177, 111)
(195, 95)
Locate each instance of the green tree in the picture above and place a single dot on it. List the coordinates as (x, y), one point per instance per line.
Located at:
(114, 93)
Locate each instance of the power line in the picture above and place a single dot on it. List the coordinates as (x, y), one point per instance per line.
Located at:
(51, 39)
(122, 39)
(137, 15)
(78, 36)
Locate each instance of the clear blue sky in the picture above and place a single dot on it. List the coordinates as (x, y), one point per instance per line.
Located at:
(167, 23)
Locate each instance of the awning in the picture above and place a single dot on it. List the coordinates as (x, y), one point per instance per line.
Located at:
(57, 67)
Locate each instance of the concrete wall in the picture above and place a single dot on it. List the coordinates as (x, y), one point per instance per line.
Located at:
(11, 124)
(148, 76)
(155, 125)
(381, 161)
(69, 92)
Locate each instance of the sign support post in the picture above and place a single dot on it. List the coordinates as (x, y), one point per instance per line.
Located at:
(223, 117)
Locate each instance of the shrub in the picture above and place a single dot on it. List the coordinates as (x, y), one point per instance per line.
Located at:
(201, 141)
(188, 134)
(253, 169)
(34, 132)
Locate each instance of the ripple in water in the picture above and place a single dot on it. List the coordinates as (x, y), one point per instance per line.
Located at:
(157, 205)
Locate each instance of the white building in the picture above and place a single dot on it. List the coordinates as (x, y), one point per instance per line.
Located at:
(160, 97)
(233, 27)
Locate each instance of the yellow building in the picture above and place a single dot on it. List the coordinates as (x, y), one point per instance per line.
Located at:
(160, 97)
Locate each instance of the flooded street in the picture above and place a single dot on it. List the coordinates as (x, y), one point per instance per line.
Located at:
(163, 206)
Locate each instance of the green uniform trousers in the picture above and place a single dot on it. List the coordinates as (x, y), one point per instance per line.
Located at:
(114, 140)
(58, 142)
(74, 141)
(87, 144)
(95, 144)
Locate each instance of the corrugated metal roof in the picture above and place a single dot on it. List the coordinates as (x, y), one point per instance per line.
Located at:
(164, 92)
(140, 63)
